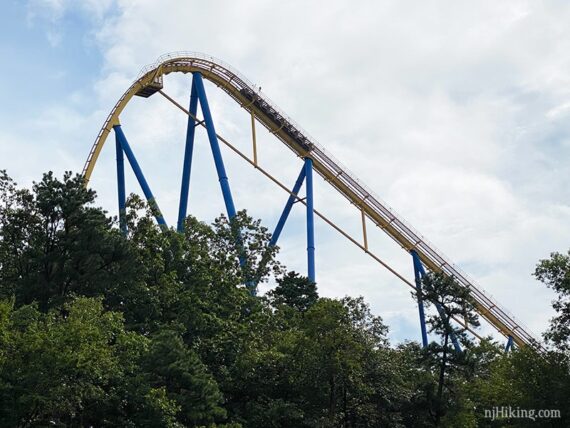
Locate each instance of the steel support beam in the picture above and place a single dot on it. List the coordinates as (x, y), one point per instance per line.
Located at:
(122, 140)
(288, 206)
(310, 220)
(509, 345)
(454, 340)
(121, 187)
(418, 273)
(215, 146)
(284, 216)
(364, 234)
(188, 151)
(198, 83)
(253, 138)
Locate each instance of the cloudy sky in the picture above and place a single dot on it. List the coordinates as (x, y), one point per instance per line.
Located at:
(457, 113)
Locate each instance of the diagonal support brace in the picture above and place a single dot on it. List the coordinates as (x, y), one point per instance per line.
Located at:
(419, 273)
(215, 146)
(306, 175)
(287, 210)
(454, 340)
(198, 83)
(189, 148)
(122, 140)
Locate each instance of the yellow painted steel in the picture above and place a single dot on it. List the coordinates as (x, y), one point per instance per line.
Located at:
(317, 213)
(225, 79)
(364, 235)
(253, 138)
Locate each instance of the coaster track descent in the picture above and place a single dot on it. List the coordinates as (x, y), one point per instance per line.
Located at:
(262, 109)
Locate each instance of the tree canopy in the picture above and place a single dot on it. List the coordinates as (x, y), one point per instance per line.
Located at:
(156, 328)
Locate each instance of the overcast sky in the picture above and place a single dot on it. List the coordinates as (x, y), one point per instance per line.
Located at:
(457, 113)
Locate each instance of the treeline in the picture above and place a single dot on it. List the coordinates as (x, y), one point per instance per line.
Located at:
(155, 329)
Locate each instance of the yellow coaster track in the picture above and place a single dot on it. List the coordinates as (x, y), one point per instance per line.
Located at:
(293, 136)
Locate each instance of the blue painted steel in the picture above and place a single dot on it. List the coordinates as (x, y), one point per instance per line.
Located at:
(509, 345)
(224, 183)
(288, 207)
(454, 340)
(190, 132)
(421, 271)
(121, 186)
(418, 269)
(120, 136)
(219, 162)
(310, 220)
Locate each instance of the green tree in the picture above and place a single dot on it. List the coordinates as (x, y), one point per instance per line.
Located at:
(59, 367)
(55, 245)
(179, 371)
(330, 367)
(555, 274)
(524, 379)
(450, 300)
(295, 291)
(158, 328)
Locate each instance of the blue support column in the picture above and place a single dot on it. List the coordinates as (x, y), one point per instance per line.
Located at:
(288, 207)
(454, 340)
(310, 220)
(122, 140)
(190, 132)
(121, 187)
(222, 176)
(509, 345)
(418, 269)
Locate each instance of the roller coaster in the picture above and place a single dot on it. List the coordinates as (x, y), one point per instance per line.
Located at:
(262, 110)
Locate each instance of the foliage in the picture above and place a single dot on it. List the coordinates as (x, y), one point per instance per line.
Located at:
(555, 274)
(54, 244)
(157, 328)
(294, 291)
(446, 360)
(60, 366)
